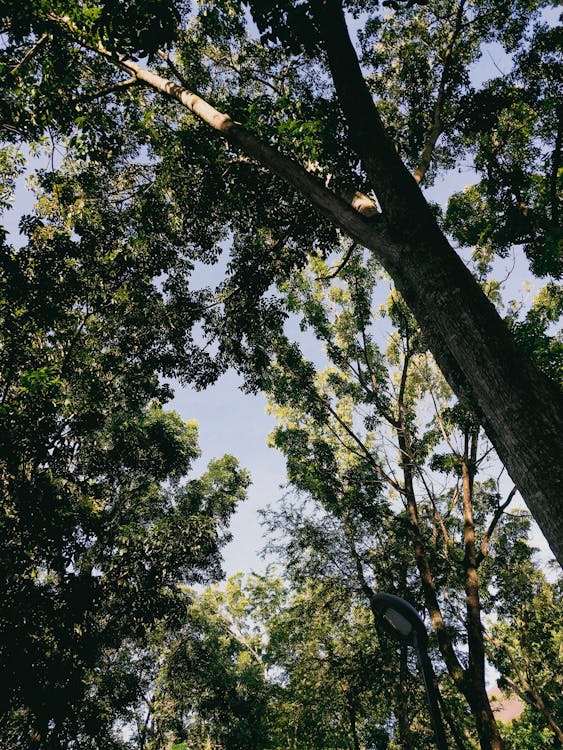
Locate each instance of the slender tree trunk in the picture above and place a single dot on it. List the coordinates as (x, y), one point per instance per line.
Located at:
(453, 665)
(353, 727)
(475, 689)
(530, 694)
(548, 716)
(471, 681)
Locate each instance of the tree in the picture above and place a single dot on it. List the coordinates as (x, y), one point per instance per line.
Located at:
(525, 642)
(265, 665)
(212, 690)
(332, 145)
(406, 483)
(98, 527)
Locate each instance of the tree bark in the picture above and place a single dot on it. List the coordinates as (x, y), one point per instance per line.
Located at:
(521, 409)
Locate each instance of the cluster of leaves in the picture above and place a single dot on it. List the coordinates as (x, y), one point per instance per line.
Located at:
(263, 666)
(513, 126)
(97, 526)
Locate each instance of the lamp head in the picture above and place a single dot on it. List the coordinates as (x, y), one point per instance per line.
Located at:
(400, 619)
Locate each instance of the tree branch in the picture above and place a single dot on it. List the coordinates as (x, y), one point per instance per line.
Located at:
(378, 469)
(336, 270)
(30, 53)
(554, 172)
(112, 88)
(436, 126)
(483, 552)
(469, 340)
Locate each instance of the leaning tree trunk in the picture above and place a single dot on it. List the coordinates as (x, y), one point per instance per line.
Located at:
(522, 410)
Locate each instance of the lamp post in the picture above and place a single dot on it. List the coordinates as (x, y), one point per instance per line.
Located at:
(402, 621)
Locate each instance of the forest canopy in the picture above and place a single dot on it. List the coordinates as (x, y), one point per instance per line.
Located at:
(290, 147)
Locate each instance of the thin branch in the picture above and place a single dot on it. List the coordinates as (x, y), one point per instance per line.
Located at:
(441, 425)
(30, 53)
(112, 89)
(232, 66)
(436, 513)
(382, 410)
(554, 172)
(174, 68)
(230, 626)
(526, 696)
(366, 588)
(361, 446)
(12, 129)
(437, 125)
(496, 518)
(484, 456)
(336, 269)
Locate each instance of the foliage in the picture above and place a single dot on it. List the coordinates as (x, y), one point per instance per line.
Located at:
(526, 644)
(393, 469)
(97, 526)
(103, 300)
(262, 666)
(213, 683)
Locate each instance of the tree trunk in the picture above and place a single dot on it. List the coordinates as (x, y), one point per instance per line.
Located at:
(522, 410)
(353, 727)
(475, 689)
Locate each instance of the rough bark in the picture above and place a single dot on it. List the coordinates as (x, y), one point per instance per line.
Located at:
(522, 410)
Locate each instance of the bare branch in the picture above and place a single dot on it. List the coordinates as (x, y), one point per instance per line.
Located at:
(336, 270)
(364, 450)
(173, 67)
(30, 53)
(438, 517)
(496, 518)
(231, 65)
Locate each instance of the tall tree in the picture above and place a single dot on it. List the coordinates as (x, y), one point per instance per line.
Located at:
(358, 426)
(333, 145)
(97, 525)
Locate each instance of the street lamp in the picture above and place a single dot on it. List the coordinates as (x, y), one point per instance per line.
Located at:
(402, 621)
